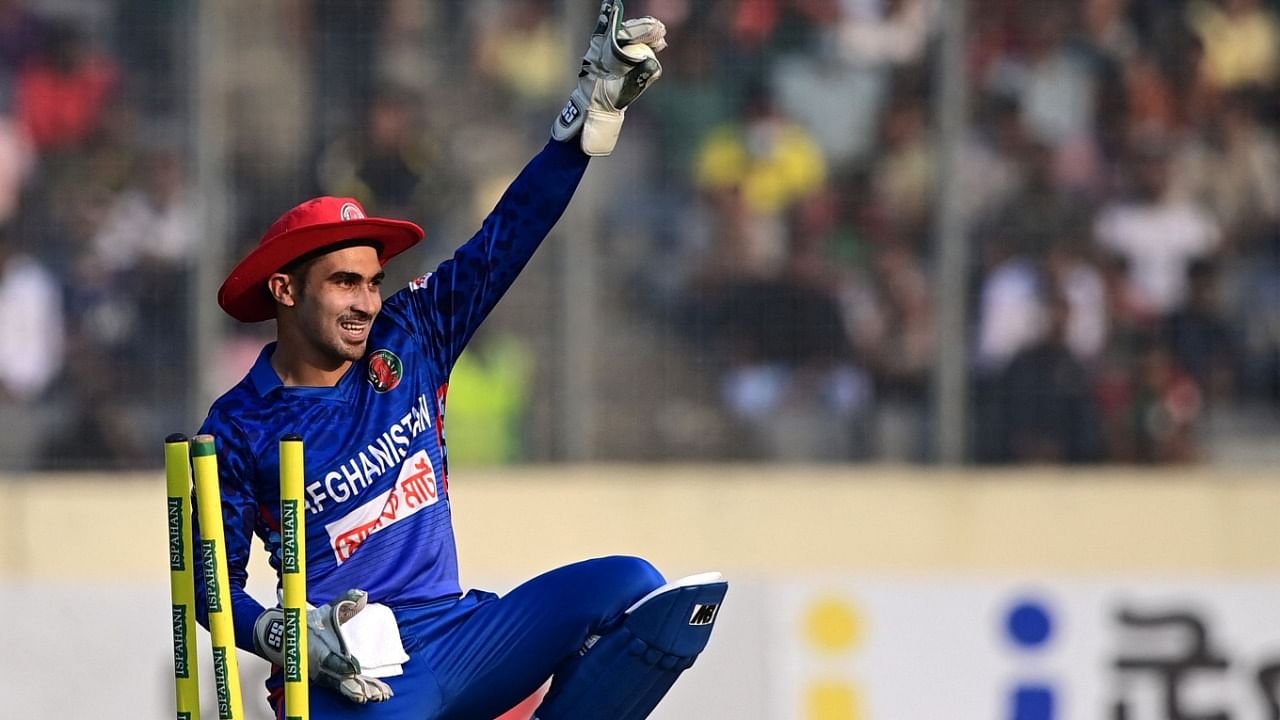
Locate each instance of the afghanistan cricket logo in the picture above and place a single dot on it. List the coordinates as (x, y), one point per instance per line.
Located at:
(385, 370)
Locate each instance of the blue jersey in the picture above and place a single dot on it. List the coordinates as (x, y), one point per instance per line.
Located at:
(377, 481)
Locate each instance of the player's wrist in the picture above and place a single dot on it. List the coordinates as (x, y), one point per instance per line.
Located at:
(268, 635)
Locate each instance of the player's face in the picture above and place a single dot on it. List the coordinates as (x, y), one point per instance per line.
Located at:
(340, 296)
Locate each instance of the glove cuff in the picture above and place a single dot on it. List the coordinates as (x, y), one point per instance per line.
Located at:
(600, 131)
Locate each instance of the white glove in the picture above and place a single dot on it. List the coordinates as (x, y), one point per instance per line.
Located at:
(619, 65)
(329, 661)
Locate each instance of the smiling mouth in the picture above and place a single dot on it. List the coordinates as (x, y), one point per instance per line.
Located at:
(354, 329)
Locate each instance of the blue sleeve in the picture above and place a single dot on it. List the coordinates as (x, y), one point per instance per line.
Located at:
(239, 518)
(447, 306)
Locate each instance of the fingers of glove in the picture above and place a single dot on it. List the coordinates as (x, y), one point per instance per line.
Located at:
(362, 689)
(610, 18)
(375, 689)
(646, 30)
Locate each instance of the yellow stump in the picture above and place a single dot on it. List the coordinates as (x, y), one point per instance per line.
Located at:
(293, 569)
(181, 578)
(226, 668)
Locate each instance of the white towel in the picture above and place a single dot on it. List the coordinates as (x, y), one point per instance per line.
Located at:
(374, 638)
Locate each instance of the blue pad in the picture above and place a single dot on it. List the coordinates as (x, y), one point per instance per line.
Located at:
(625, 673)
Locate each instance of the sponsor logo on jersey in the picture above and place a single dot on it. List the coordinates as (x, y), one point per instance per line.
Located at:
(351, 211)
(703, 614)
(385, 370)
(289, 536)
(181, 650)
(213, 594)
(177, 561)
(415, 489)
(360, 471)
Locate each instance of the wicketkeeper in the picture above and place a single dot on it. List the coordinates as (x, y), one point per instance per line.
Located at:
(364, 381)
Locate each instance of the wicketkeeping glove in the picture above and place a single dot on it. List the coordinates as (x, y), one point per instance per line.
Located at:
(329, 662)
(619, 65)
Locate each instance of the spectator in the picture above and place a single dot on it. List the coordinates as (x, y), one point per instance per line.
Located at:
(694, 101)
(754, 172)
(1075, 282)
(393, 165)
(1050, 413)
(527, 67)
(1198, 335)
(32, 358)
(791, 376)
(1157, 233)
(1235, 171)
(1039, 210)
(1010, 315)
(151, 225)
(144, 252)
(903, 175)
(838, 89)
(896, 333)
(63, 93)
(992, 167)
(1023, 299)
(1166, 409)
(1108, 29)
(1241, 42)
(1058, 90)
(21, 36)
(897, 35)
(772, 158)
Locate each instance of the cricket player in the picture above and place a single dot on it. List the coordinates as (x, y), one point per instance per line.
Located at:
(363, 380)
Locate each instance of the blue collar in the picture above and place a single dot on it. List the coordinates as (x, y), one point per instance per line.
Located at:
(265, 380)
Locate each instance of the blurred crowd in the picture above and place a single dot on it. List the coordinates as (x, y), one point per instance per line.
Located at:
(1120, 186)
(1119, 181)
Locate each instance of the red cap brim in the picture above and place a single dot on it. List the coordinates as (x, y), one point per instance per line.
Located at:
(244, 294)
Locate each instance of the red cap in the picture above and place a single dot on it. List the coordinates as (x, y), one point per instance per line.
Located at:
(311, 226)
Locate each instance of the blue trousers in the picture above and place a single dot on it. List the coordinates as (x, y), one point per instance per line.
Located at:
(475, 657)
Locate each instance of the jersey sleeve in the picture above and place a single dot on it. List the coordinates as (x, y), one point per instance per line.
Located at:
(448, 305)
(239, 518)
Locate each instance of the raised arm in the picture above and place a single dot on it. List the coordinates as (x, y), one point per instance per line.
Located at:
(618, 66)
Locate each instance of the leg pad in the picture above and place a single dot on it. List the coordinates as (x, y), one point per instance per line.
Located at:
(625, 673)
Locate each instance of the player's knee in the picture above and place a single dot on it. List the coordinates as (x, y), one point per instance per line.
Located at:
(629, 578)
